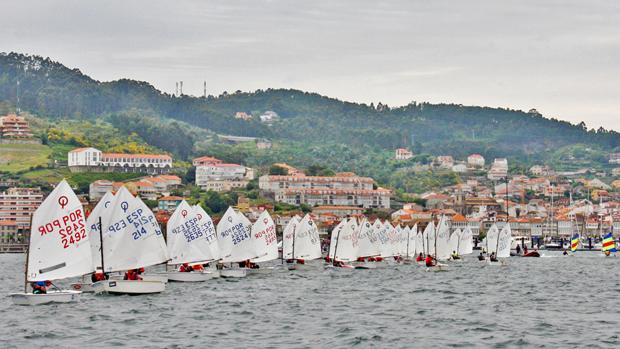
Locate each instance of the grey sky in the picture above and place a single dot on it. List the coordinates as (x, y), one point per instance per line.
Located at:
(561, 57)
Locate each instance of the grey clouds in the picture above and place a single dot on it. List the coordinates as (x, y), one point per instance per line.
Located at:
(560, 57)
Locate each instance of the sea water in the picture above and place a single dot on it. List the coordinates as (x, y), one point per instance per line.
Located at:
(554, 302)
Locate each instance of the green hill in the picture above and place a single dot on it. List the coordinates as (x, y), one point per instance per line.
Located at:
(312, 129)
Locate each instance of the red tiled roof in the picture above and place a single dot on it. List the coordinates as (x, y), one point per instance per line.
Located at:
(170, 198)
(136, 156)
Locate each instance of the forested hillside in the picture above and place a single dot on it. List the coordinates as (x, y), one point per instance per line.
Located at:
(311, 128)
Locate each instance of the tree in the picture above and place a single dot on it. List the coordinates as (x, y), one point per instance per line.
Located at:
(277, 170)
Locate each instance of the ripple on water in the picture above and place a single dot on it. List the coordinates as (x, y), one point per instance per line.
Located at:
(530, 303)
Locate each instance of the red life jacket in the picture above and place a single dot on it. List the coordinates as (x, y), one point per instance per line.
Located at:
(418, 258)
(429, 261)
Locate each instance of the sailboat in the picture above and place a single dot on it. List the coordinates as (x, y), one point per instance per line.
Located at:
(394, 241)
(235, 243)
(383, 241)
(101, 212)
(466, 243)
(187, 243)
(609, 244)
(59, 247)
(206, 226)
(263, 233)
(428, 240)
(305, 244)
(455, 241)
(130, 239)
(502, 245)
(368, 247)
(442, 247)
(346, 245)
(410, 248)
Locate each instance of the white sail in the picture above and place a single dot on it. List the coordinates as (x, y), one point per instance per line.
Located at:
(102, 212)
(265, 239)
(335, 237)
(429, 238)
(419, 243)
(505, 237)
(490, 241)
(393, 238)
(132, 237)
(187, 243)
(287, 237)
(383, 242)
(59, 243)
(443, 240)
(307, 241)
(234, 238)
(412, 239)
(401, 240)
(347, 242)
(368, 246)
(466, 246)
(206, 226)
(455, 241)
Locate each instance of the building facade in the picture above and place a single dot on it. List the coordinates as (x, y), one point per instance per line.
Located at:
(223, 177)
(18, 204)
(94, 160)
(345, 189)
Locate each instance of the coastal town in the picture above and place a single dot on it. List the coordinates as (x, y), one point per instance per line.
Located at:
(541, 204)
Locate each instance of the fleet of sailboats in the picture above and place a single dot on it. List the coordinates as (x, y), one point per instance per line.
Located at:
(121, 234)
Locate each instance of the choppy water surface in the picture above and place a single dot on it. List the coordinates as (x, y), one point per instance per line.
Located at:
(555, 302)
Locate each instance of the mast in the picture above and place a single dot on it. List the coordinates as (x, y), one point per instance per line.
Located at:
(336, 246)
(27, 257)
(101, 244)
(408, 234)
(436, 238)
(293, 249)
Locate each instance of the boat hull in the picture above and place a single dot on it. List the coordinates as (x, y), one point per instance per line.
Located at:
(65, 296)
(233, 273)
(131, 287)
(155, 277)
(175, 276)
(532, 254)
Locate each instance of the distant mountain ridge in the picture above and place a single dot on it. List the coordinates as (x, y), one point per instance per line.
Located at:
(51, 89)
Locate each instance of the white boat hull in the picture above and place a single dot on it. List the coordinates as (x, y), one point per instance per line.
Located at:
(155, 277)
(68, 296)
(129, 287)
(233, 273)
(177, 276)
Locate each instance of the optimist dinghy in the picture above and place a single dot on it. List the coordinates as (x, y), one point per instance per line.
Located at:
(59, 248)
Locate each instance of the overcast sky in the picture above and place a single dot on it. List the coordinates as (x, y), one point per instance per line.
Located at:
(560, 57)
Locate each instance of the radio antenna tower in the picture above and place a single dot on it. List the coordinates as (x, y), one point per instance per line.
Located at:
(17, 110)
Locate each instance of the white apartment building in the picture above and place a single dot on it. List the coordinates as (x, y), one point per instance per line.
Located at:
(341, 190)
(223, 177)
(499, 169)
(475, 160)
(93, 160)
(18, 204)
(403, 154)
